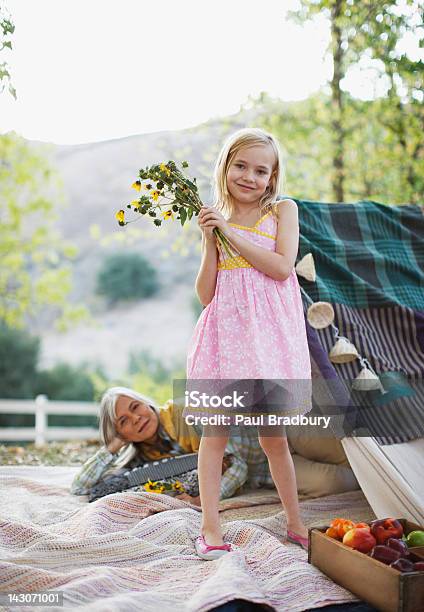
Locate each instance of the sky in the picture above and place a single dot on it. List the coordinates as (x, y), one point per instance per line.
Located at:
(92, 70)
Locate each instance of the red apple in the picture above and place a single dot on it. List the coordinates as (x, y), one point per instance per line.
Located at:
(419, 566)
(360, 539)
(362, 525)
(383, 529)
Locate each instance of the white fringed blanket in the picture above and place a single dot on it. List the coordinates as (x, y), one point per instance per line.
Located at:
(134, 551)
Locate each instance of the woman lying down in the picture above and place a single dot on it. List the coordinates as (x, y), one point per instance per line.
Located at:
(133, 431)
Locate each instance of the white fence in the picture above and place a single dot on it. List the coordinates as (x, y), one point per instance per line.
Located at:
(42, 407)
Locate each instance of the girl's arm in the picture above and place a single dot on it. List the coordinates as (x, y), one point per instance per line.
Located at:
(279, 264)
(91, 471)
(206, 278)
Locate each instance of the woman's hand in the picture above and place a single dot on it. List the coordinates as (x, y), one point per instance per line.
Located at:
(116, 444)
(188, 498)
(209, 218)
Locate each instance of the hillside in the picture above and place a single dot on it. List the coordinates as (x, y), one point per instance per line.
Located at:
(96, 182)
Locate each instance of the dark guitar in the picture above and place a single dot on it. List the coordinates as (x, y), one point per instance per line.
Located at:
(153, 470)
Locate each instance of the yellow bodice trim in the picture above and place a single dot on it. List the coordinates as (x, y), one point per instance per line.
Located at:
(254, 228)
(230, 263)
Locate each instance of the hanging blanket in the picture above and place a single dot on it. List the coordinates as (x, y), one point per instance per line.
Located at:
(369, 260)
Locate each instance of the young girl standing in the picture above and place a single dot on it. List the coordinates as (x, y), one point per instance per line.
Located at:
(253, 325)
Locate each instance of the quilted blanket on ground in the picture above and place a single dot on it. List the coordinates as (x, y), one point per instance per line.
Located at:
(134, 551)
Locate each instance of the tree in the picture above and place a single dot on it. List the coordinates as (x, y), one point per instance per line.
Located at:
(19, 353)
(372, 30)
(20, 378)
(65, 382)
(402, 110)
(126, 276)
(34, 258)
(301, 128)
(6, 29)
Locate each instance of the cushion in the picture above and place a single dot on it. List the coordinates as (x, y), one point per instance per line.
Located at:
(317, 479)
(316, 448)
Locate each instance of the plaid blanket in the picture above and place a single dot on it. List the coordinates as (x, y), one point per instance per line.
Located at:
(369, 260)
(366, 254)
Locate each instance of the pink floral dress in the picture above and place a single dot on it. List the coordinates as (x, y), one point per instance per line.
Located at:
(254, 326)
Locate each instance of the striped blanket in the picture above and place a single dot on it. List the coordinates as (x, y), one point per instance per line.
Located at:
(134, 551)
(369, 259)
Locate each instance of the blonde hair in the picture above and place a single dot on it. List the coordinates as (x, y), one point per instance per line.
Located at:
(107, 422)
(246, 137)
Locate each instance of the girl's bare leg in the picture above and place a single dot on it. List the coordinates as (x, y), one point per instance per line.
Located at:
(211, 453)
(283, 474)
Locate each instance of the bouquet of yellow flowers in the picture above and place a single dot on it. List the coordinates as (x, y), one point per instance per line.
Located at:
(162, 486)
(164, 191)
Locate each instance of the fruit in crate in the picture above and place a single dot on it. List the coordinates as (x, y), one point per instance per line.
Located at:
(403, 565)
(340, 526)
(419, 566)
(415, 538)
(383, 529)
(359, 538)
(332, 533)
(398, 545)
(385, 554)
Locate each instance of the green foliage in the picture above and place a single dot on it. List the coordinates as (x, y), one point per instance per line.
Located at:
(381, 138)
(146, 374)
(65, 382)
(127, 276)
(144, 361)
(6, 29)
(144, 384)
(376, 147)
(20, 379)
(150, 377)
(375, 167)
(34, 259)
(18, 363)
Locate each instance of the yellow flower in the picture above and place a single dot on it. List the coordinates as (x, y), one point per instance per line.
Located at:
(155, 195)
(135, 203)
(165, 168)
(150, 486)
(168, 214)
(120, 216)
(136, 185)
(178, 486)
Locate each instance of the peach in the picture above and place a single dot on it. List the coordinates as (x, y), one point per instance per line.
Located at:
(359, 538)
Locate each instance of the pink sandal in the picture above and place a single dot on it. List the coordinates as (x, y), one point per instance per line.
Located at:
(210, 553)
(295, 538)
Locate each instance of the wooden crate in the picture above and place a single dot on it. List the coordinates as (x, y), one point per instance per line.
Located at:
(378, 584)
